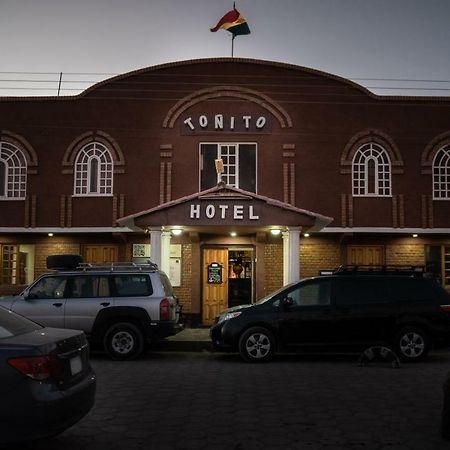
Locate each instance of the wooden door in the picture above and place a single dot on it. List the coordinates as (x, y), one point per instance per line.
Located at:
(365, 255)
(215, 283)
(100, 253)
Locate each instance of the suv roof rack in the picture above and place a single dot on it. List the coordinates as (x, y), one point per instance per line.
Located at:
(118, 266)
(380, 270)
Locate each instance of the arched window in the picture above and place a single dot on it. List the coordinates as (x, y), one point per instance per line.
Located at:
(371, 171)
(13, 172)
(441, 174)
(93, 171)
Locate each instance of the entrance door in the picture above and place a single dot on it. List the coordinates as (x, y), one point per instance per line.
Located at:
(215, 283)
(100, 253)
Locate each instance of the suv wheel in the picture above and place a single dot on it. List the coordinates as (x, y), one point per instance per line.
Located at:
(124, 341)
(411, 344)
(257, 344)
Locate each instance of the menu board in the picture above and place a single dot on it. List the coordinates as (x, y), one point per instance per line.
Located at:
(215, 273)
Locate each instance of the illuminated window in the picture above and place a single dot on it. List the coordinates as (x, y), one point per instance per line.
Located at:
(371, 171)
(13, 172)
(93, 171)
(441, 174)
(239, 164)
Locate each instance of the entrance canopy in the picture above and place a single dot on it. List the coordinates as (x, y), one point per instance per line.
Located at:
(226, 206)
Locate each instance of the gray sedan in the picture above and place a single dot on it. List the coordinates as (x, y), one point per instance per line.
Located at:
(46, 381)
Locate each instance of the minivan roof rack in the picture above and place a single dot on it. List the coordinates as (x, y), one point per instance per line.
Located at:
(118, 266)
(379, 270)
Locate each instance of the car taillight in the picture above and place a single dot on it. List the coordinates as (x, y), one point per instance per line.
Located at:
(446, 308)
(38, 367)
(164, 309)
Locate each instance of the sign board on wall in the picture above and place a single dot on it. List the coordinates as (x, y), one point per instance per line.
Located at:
(142, 254)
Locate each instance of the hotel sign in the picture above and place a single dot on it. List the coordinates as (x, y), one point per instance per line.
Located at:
(222, 212)
(225, 122)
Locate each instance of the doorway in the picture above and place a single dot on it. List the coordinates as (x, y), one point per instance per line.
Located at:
(228, 280)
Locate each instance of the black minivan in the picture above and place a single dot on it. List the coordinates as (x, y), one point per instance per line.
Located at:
(398, 308)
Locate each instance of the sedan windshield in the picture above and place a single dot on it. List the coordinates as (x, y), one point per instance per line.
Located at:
(12, 324)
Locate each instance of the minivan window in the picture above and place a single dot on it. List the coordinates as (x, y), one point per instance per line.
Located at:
(311, 294)
(360, 290)
(133, 285)
(48, 287)
(412, 289)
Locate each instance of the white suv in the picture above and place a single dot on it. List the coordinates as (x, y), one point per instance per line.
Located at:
(122, 306)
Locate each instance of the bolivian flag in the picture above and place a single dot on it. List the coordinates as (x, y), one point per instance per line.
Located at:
(234, 22)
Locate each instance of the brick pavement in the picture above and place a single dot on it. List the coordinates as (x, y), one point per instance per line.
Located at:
(203, 400)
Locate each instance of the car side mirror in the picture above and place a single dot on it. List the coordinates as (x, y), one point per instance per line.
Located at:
(286, 302)
(29, 296)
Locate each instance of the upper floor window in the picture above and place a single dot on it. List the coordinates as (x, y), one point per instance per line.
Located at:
(441, 174)
(93, 171)
(239, 164)
(13, 172)
(371, 171)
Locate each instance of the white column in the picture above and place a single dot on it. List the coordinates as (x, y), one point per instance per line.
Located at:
(165, 252)
(155, 243)
(291, 255)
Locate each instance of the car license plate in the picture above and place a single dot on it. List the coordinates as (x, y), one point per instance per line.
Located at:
(75, 365)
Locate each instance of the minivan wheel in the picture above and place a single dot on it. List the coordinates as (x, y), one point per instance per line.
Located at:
(257, 344)
(411, 344)
(124, 341)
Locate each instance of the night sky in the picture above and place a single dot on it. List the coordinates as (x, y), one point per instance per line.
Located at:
(381, 39)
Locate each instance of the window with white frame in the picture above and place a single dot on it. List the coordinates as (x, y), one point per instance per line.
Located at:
(441, 174)
(239, 164)
(371, 171)
(13, 172)
(93, 171)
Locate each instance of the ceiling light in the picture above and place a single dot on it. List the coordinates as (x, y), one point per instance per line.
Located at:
(233, 234)
(50, 234)
(415, 235)
(306, 235)
(176, 231)
(275, 231)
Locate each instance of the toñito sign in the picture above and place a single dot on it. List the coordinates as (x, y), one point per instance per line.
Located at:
(223, 122)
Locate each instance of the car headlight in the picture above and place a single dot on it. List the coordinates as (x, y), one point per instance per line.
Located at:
(229, 316)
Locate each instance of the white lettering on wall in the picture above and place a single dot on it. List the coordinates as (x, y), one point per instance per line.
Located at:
(251, 215)
(222, 212)
(238, 212)
(189, 123)
(210, 211)
(223, 209)
(222, 122)
(260, 122)
(195, 212)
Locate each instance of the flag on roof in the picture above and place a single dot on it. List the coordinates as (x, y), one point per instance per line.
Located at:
(234, 22)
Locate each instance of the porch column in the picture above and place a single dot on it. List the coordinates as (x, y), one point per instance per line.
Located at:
(165, 252)
(291, 255)
(155, 245)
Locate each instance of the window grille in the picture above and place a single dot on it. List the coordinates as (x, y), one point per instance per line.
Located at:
(13, 172)
(93, 171)
(371, 171)
(441, 174)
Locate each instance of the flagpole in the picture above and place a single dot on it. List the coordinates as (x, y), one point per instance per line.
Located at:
(232, 46)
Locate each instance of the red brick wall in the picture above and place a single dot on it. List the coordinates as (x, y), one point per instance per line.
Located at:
(273, 261)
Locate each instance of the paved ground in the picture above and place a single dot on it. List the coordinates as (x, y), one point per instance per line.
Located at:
(203, 400)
